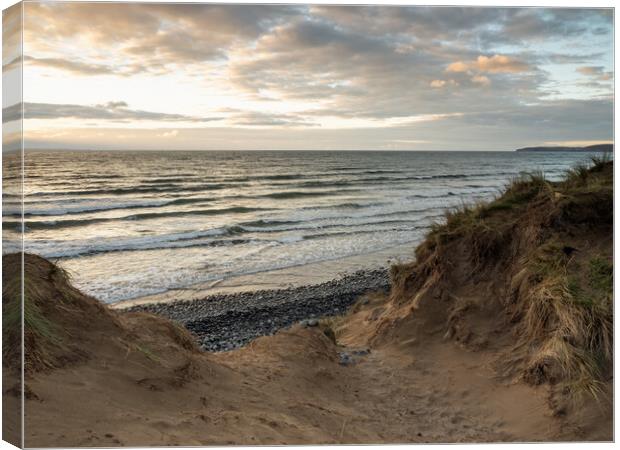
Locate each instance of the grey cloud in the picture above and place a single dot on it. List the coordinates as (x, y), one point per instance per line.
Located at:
(360, 76)
(565, 115)
(437, 23)
(154, 34)
(484, 24)
(520, 25)
(113, 104)
(565, 58)
(116, 111)
(76, 67)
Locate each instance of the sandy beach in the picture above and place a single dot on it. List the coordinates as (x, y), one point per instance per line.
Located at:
(287, 278)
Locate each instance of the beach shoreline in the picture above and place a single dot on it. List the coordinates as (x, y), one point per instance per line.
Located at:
(226, 321)
(231, 313)
(277, 279)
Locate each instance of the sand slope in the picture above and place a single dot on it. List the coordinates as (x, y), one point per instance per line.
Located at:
(289, 389)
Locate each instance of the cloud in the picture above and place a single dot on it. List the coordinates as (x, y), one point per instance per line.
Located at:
(169, 134)
(481, 79)
(359, 75)
(81, 68)
(597, 72)
(338, 68)
(254, 118)
(557, 116)
(483, 25)
(114, 105)
(438, 84)
(528, 24)
(576, 143)
(486, 64)
(146, 37)
(116, 111)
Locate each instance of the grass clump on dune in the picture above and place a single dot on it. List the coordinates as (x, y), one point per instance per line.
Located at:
(568, 317)
(532, 246)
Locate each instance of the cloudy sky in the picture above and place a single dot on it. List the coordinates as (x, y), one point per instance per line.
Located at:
(190, 76)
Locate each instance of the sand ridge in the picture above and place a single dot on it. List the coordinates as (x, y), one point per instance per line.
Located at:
(290, 388)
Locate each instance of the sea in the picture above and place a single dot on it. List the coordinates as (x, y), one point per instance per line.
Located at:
(129, 224)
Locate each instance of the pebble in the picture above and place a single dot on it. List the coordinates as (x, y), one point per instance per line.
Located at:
(351, 357)
(345, 359)
(223, 322)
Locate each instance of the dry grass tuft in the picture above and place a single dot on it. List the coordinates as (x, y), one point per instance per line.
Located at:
(572, 330)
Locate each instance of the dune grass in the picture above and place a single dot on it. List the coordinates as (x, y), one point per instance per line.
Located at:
(570, 316)
(564, 311)
(33, 319)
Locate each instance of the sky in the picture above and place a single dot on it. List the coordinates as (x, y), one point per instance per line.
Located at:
(310, 77)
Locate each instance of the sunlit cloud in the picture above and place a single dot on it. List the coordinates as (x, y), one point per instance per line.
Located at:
(170, 134)
(576, 143)
(489, 64)
(597, 72)
(481, 79)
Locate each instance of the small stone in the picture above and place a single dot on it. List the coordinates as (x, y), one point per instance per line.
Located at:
(345, 359)
(313, 323)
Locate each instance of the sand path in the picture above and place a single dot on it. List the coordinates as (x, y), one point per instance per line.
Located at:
(290, 389)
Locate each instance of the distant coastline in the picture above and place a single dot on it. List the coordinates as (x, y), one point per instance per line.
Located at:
(589, 148)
